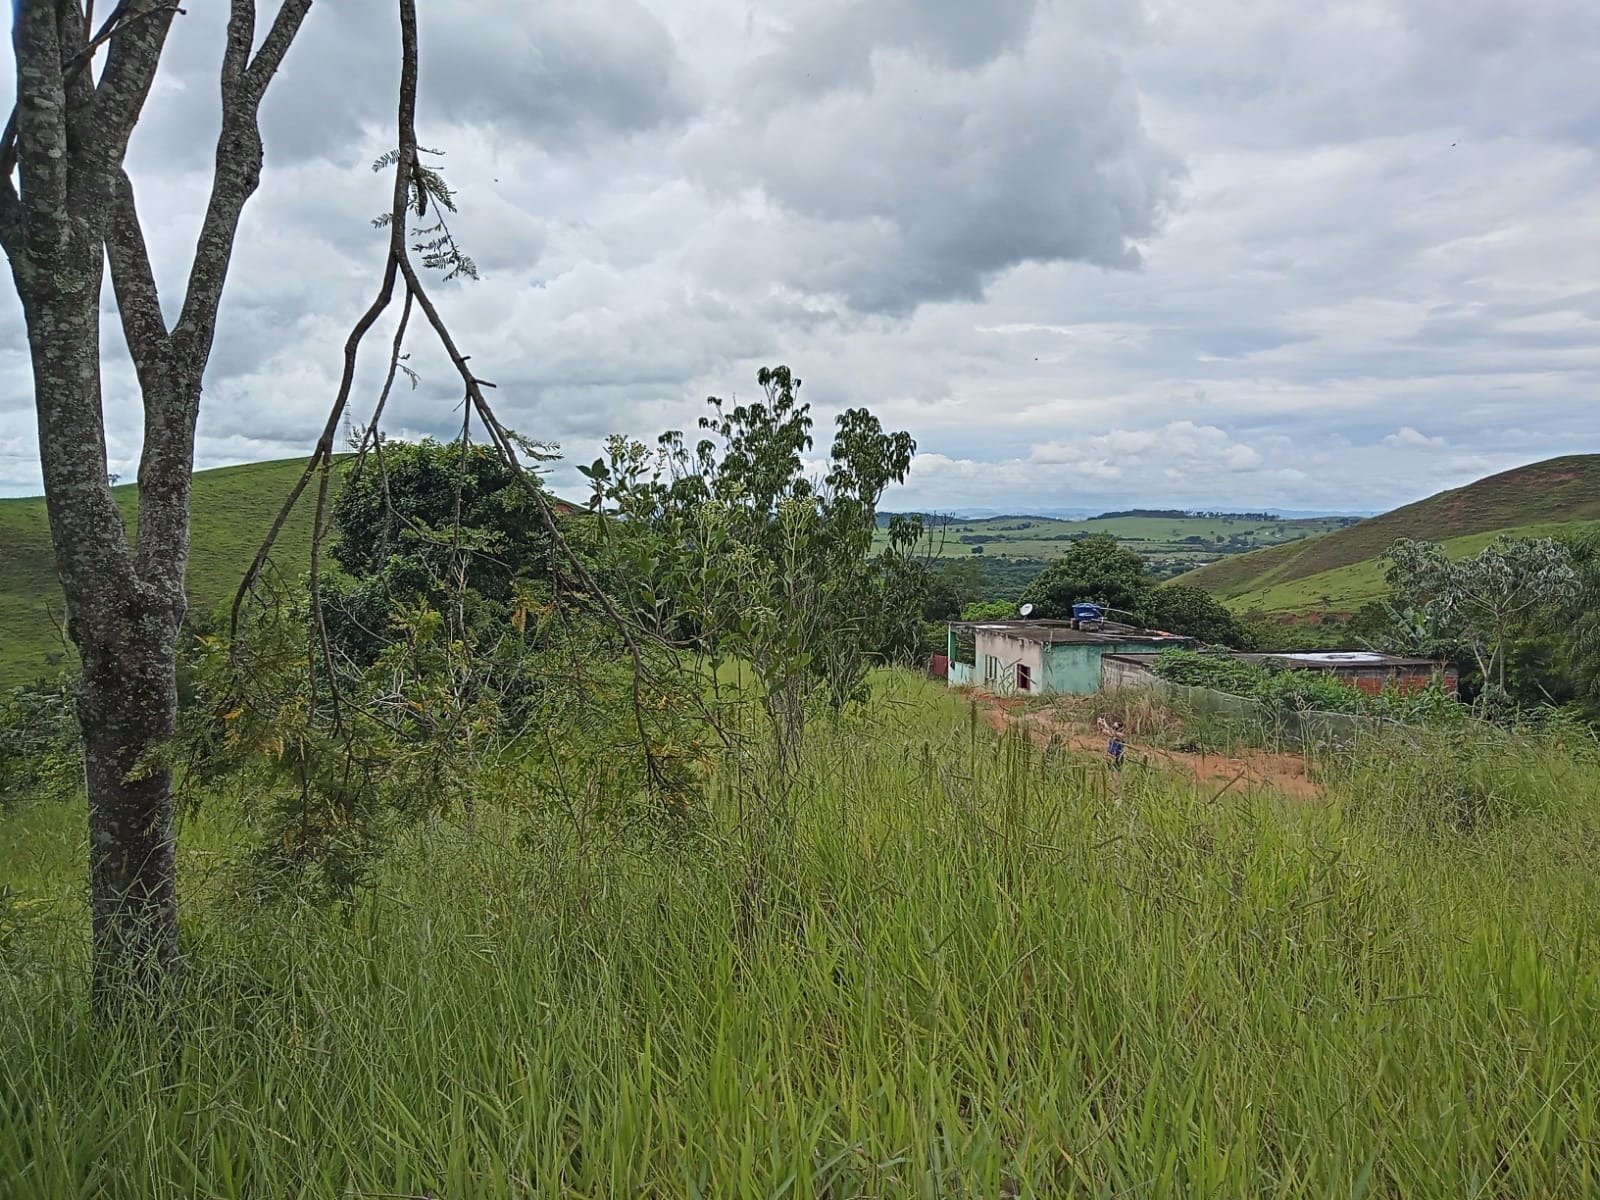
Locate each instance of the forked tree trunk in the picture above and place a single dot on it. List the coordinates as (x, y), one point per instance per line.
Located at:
(66, 143)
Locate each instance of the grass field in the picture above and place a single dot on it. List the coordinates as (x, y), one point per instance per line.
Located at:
(1560, 491)
(1168, 543)
(233, 509)
(979, 967)
(1345, 589)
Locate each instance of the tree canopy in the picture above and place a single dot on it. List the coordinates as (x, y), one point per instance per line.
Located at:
(1484, 601)
(1195, 612)
(1097, 569)
(441, 523)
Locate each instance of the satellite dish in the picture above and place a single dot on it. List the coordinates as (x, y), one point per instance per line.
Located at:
(1027, 610)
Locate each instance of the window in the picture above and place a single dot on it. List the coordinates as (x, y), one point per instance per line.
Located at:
(1024, 678)
(991, 668)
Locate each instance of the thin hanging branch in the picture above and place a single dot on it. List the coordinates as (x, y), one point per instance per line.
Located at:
(414, 184)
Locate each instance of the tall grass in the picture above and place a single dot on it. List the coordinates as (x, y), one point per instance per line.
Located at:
(979, 968)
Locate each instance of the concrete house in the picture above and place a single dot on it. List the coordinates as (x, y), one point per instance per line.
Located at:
(1043, 658)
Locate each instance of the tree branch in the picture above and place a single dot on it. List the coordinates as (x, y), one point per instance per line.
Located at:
(138, 33)
(167, 461)
(324, 448)
(134, 283)
(352, 344)
(75, 55)
(39, 140)
(238, 170)
(275, 45)
(241, 36)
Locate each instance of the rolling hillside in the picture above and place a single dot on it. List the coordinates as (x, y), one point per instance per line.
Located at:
(233, 508)
(1342, 570)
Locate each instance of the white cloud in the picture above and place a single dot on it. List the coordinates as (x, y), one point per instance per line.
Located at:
(1217, 252)
(1407, 436)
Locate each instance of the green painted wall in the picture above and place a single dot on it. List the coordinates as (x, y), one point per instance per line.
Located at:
(1073, 668)
(957, 674)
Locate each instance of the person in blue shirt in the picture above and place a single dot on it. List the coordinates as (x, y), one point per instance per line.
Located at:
(1116, 746)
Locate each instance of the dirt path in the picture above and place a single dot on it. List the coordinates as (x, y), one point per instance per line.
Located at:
(1070, 720)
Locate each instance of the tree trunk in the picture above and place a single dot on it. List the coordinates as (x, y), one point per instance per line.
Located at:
(128, 710)
(66, 142)
(126, 631)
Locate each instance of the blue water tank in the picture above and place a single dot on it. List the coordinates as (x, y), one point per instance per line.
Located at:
(1088, 612)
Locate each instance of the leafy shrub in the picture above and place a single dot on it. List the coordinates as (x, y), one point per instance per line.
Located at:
(1285, 690)
(1431, 705)
(1306, 691)
(1222, 672)
(989, 610)
(40, 755)
(1194, 612)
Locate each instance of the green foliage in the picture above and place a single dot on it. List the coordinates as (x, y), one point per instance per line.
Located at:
(1574, 627)
(1482, 603)
(326, 769)
(41, 757)
(437, 245)
(1008, 979)
(1307, 691)
(442, 524)
(1097, 569)
(1221, 672)
(330, 770)
(989, 610)
(729, 547)
(952, 586)
(1194, 612)
(1422, 782)
(1288, 691)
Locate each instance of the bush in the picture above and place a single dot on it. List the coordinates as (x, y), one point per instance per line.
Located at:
(1222, 672)
(989, 610)
(1284, 690)
(1429, 782)
(40, 754)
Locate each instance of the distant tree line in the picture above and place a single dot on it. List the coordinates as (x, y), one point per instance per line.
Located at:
(1186, 514)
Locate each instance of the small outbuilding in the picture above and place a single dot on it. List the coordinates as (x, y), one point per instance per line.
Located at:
(1364, 669)
(1043, 658)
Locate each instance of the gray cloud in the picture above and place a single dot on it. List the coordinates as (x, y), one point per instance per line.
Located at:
(1228, 252)
(566, 74)
(950, 159)
(832, 45)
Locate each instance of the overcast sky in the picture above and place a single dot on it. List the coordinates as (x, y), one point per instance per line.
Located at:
(1307, 255)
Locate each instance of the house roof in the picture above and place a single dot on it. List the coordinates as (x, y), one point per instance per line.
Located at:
(1312, 660)
(1062, 632)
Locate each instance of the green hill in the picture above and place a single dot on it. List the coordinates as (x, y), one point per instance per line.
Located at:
(1342, 570)
(233, 509)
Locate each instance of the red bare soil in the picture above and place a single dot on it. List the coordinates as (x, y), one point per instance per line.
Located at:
(1071, 722)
